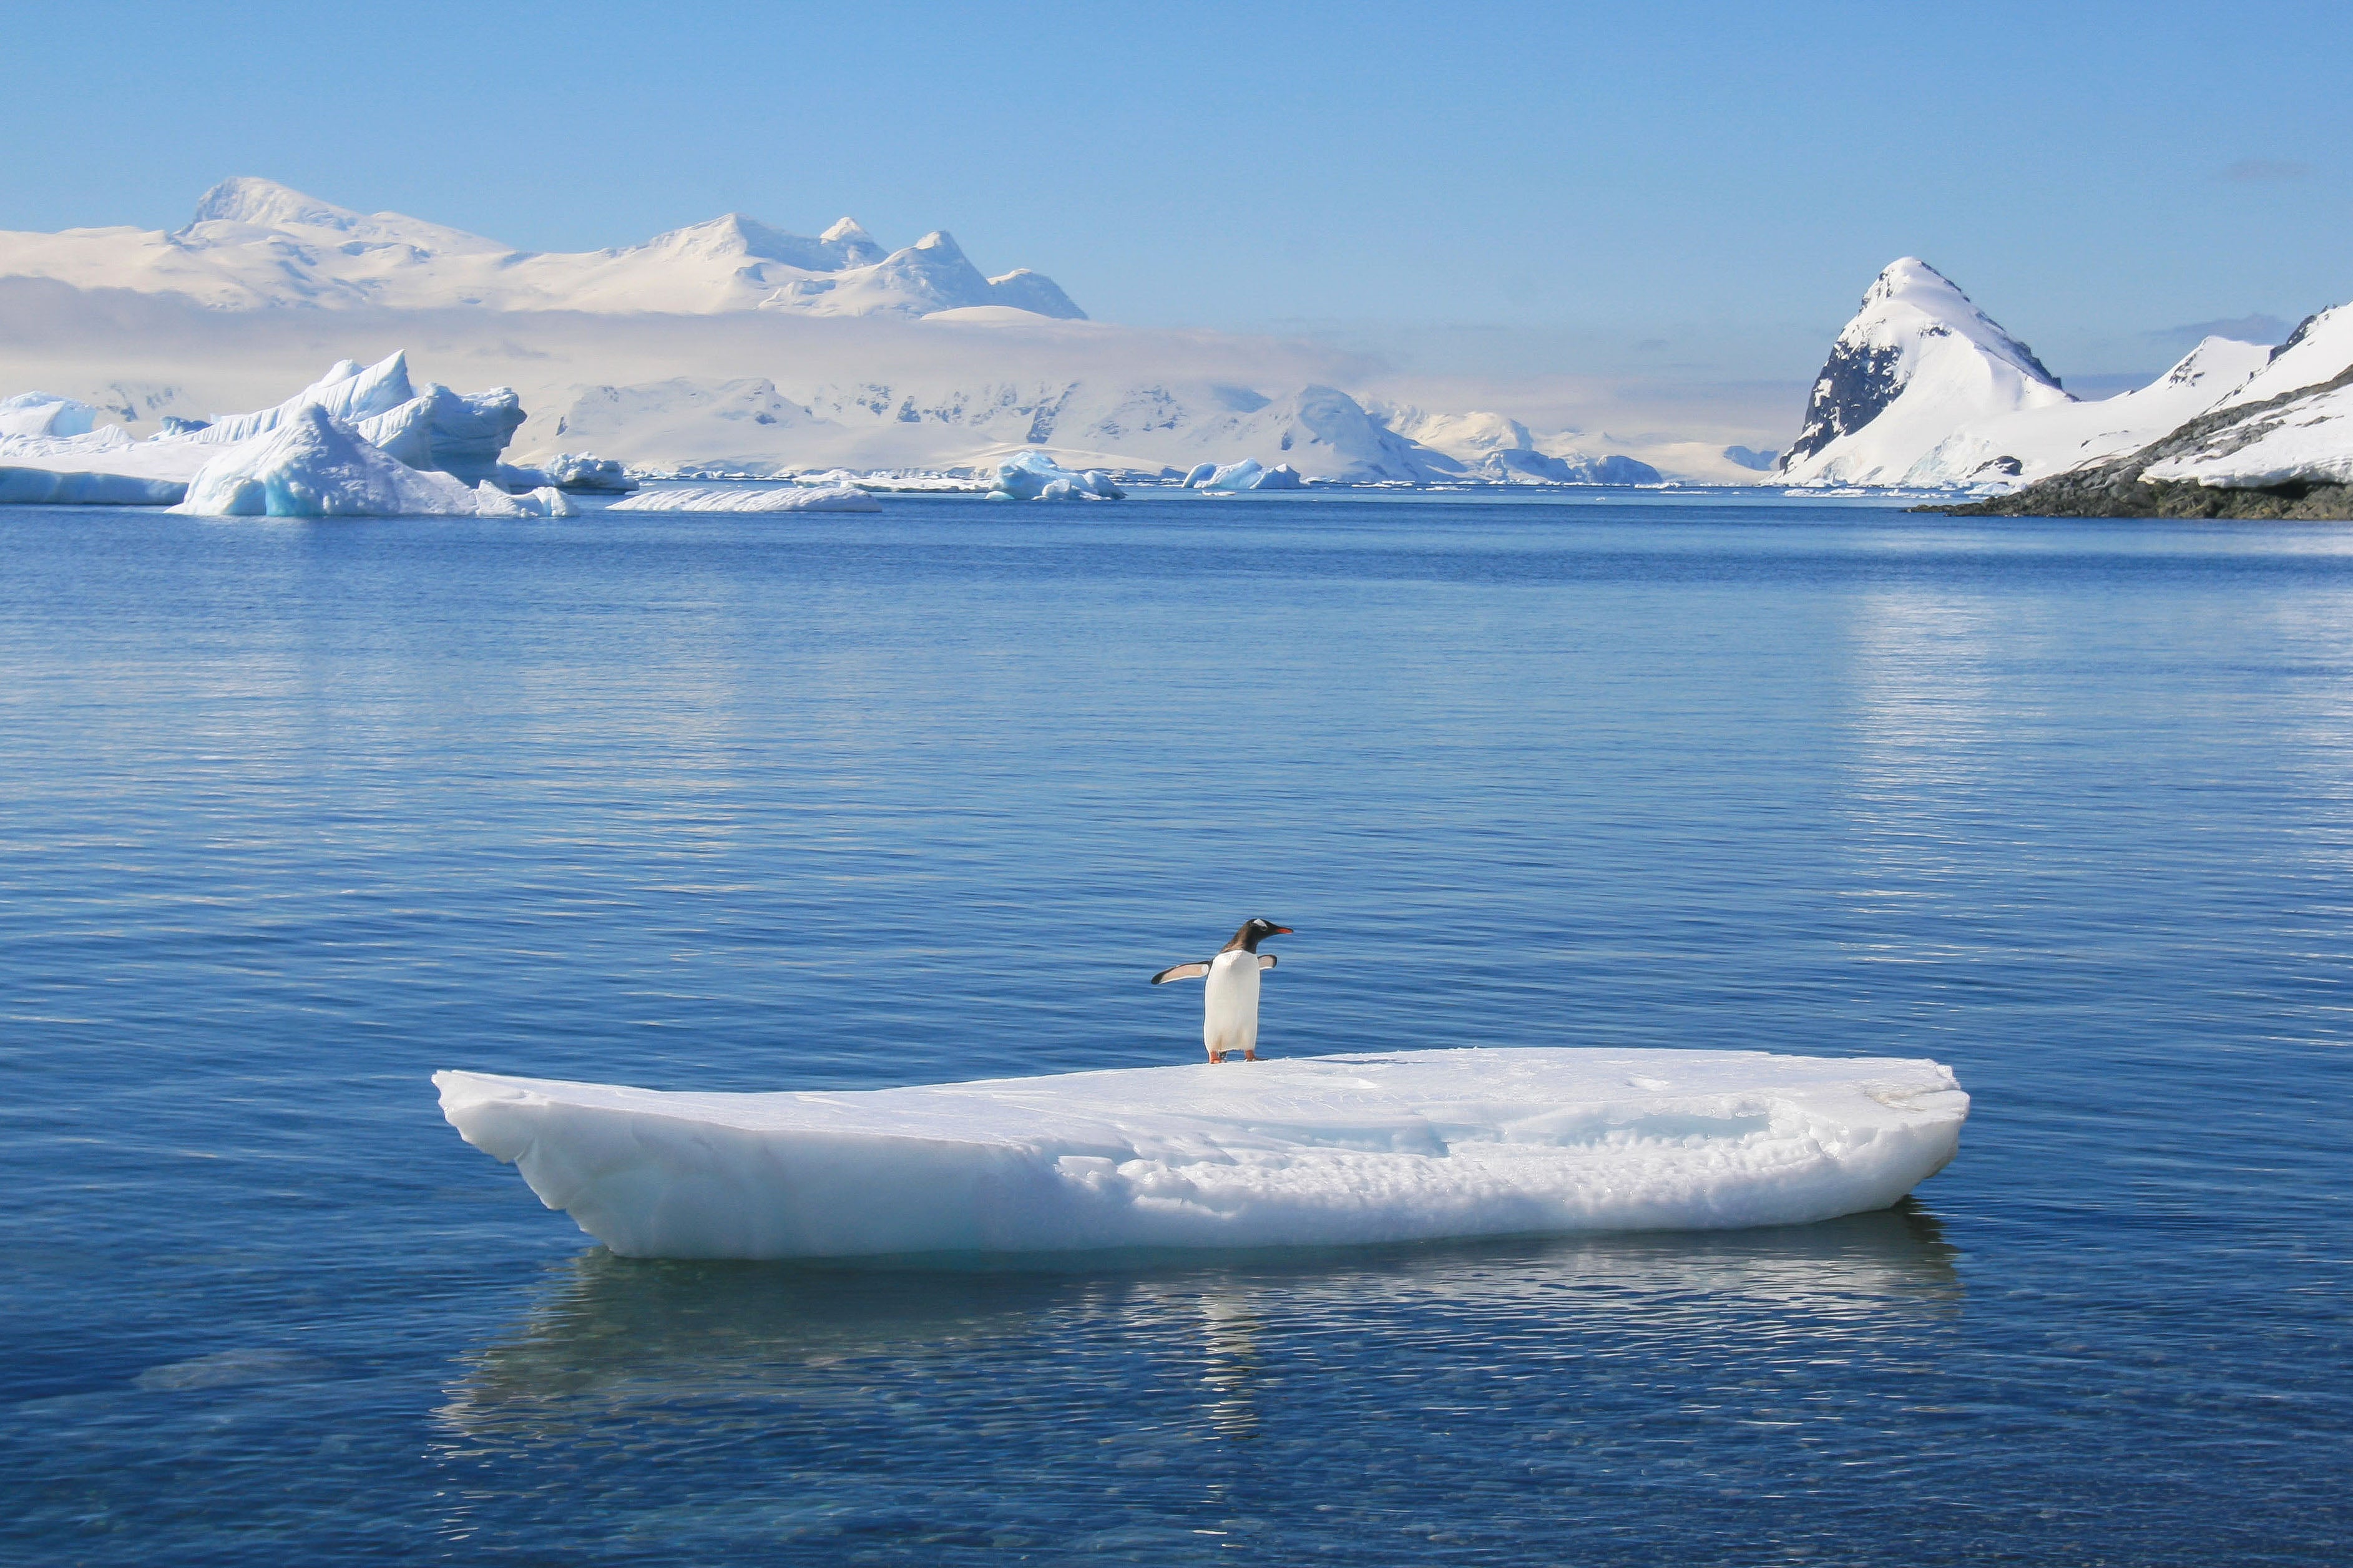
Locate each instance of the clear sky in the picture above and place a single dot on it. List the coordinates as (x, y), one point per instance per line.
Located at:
(1667, 190)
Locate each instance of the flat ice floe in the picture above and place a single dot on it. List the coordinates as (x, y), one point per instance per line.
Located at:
(1315, 1152)
(752, 497)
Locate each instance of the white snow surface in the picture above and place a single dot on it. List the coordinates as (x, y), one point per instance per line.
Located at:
(1953, 365)
(2306, 441)
(254, 244)
(1313, 1152)
(751, 497)
(2054, 437)
(2319, 349)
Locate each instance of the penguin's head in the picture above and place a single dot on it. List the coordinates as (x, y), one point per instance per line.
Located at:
(1249, 936)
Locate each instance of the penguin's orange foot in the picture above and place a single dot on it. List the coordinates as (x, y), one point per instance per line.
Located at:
(1250, 1055)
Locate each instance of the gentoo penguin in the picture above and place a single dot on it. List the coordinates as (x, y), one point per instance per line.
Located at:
(1230, 1004)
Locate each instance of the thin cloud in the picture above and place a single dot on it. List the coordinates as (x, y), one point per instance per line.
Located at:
(2264, 171)
(2255, 329)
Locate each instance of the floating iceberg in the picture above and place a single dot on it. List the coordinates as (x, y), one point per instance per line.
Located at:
(46, 414)
(312, 465)
(1033, 476)
(449, 432)
(1246, 475)
(574, 471)
(50, 487)
(490, 501)
(349, 392)
(752, 497)
(1315, 1151)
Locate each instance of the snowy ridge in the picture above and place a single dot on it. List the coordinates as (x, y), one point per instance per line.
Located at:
(253, 244)
(1917, 361)
(750, 426)
(1315, 1151)
(2035, 443)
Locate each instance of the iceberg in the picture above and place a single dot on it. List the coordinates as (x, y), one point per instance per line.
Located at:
(46, 414)
(448, 432)
(349, 391)
(490, 501)
(573, 471)
(1379, 1147)
(1033, 476)
(752, 497)
(1246, 475)
(313, 465)
(51, 487)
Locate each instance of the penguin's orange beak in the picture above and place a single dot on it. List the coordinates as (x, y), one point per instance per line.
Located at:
(1282, 930)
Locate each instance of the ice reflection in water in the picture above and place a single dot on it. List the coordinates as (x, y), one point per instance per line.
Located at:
(1060, 1400)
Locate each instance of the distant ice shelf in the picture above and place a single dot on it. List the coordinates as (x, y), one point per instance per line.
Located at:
(1312, 1151)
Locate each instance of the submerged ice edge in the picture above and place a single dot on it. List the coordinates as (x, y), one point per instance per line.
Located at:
(1306, 1153)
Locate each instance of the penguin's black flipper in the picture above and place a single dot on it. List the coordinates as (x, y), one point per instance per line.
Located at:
(1182, 972)
(1266, 960)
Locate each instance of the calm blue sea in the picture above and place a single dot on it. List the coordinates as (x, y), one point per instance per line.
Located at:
(293, 814)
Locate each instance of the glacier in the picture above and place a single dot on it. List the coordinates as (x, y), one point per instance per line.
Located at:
(751, 497)
(1322, 1150)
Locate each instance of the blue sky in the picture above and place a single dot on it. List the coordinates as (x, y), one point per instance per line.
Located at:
(1692, 191)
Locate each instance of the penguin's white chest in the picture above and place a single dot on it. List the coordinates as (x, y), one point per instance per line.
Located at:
(1229, 1018)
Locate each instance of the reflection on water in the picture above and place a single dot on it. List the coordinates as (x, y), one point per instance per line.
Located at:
(616, 1338)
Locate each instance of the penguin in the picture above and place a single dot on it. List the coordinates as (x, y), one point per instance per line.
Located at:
(1229, 1003)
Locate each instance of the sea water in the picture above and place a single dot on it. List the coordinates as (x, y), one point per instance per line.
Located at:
(292, 814)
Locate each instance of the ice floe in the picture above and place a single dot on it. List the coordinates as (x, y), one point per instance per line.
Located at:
(752, 497)
(1312, 1152)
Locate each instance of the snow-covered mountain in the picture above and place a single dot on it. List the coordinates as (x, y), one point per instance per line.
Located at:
(1918, 362)
(2033, 443)
(732, 346)
(254, 244)
(2288, 425)
(751, 427)
(1497, 449)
